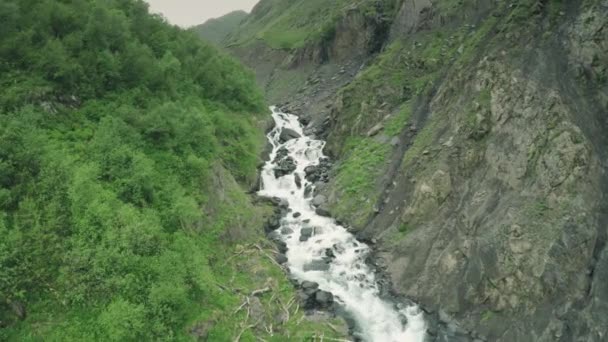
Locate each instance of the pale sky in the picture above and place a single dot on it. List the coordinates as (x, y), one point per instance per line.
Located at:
(188, 13)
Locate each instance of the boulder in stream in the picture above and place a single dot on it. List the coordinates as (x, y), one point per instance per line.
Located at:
(288, 134)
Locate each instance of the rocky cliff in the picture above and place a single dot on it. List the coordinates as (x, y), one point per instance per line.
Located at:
(470, 141)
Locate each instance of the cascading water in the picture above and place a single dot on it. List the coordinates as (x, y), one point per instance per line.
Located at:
(348, 277)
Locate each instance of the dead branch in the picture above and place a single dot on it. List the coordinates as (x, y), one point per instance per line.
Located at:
(260, 291)
(337, 339)
(333, 327)
(267, 255)
(240, 307)
(238, 337)
(300, 320)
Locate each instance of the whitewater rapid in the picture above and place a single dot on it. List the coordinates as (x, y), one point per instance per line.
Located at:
(349, 278)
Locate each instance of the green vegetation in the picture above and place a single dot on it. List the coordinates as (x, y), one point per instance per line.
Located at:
(357, 177)
(120, 141)
(538, 209)
(404, 228)
(396, 123)
(295, 23)
(218, 30)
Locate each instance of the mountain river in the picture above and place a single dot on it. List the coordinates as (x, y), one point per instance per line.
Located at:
(351, 281)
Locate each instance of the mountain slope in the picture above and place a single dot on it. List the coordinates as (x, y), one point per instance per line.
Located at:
(126, 149)
(470, 140)
(217, 30)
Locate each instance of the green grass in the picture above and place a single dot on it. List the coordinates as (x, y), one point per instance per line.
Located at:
(423, 140)
(404, 228)
(395, 124)
(357, 177)
(538, 209)
(296, 23)
(487, 315)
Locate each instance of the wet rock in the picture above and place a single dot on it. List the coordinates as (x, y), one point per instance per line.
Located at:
(296, 215)
(324, 298)
(298, 181)
(286, 231)
(281, 258)
(285, 167)
(312, 173)
(304, 120)
(309, 286)
(307, 191)
(319, 200)
(323, 211)
(315, 173)
(281, 153)
(316, 265)
(272, 224)
(281, 246)
(307, 232)
(288, 134)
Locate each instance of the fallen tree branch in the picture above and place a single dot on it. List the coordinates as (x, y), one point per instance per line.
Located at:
(260, 291)
(267, 255)
(240, 307)
(238, 337)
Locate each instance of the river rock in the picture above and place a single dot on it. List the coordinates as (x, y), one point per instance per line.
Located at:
(316, 265)
(304, 120)
(312, 173)
(288, 134)
(296, 215)
(324, 298)
(286, 231)
(272, 224)
(323, 211)
(281, 246)
(307, 191)
(281, 258)
(319, 200)
(285, 167)
(306, 233)
(309, 286)
(315, 173)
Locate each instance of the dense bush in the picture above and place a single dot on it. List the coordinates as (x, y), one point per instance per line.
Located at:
(111, 121)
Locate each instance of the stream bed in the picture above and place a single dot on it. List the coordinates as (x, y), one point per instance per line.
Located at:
(322, 254)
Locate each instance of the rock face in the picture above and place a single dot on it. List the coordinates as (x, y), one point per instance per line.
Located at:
(488, 203)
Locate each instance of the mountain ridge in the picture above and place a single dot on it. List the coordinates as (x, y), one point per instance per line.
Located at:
(217, 30)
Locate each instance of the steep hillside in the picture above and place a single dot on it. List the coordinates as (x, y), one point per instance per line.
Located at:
(126, 149)
(471, 143)
(217, 30)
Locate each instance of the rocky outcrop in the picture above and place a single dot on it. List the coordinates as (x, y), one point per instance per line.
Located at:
(489, 203)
